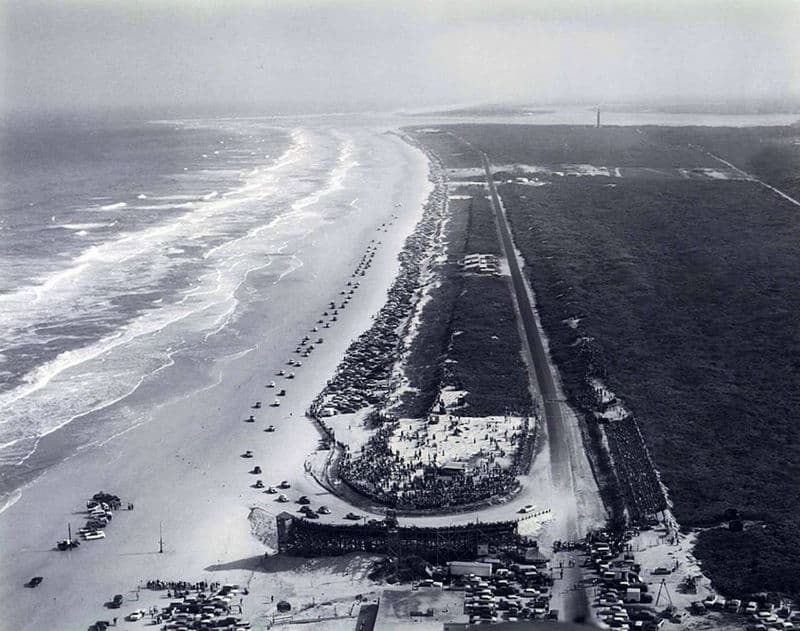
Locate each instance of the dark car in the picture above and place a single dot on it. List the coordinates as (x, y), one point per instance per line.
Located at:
(303, 500)
(34, 582)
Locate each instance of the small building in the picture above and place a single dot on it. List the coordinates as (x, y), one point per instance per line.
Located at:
(480, 264)
(453, 469)
(465, 568)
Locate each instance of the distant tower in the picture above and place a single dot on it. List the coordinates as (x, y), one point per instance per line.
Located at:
(598, 118)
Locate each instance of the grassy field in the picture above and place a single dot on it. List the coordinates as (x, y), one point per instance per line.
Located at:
(468, 336)
(770, 153)
(561, 144)
(686, 294)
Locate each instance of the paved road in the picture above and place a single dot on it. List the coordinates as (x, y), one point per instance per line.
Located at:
(559, 438)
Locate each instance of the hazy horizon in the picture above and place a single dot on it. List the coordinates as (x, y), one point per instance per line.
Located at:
(315, 56)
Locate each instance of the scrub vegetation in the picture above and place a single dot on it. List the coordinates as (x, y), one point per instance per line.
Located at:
(685, 292)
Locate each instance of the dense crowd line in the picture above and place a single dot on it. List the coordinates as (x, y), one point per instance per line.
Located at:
(362, 378)
(384, 475)
(635, 470)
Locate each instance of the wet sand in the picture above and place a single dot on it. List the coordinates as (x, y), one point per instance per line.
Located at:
(183, 468)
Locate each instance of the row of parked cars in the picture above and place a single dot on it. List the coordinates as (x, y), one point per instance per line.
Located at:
(503, 597)
(763, 616)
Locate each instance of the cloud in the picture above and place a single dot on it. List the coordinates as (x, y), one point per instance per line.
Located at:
(245, 54)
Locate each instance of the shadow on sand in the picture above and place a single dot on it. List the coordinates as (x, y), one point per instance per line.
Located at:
(277, 563)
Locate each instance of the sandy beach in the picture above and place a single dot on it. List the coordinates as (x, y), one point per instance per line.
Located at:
(182, 468)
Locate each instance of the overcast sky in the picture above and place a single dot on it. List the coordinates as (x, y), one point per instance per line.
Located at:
(379, 54)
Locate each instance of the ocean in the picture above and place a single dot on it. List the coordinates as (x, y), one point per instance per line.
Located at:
(130, 247)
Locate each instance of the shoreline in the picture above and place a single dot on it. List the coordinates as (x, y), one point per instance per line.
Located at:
(193, 442)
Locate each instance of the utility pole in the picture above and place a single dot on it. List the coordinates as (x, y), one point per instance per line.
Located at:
(663, 586)
(160, 540)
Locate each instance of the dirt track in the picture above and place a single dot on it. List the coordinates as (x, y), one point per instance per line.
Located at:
(570, 473)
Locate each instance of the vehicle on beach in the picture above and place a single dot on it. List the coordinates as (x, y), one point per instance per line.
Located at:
(319, 341)
(247, 454)
(271, 384)
(257, 405)
(290, 375)
(284, 485)
(282, 393)
(34, 582)
(281, 372)
(259, 484)
(67, 544)
(311, 515)
(270, 428)
(282, 498)
(324, 510)
(352, 517)
(303, 500)
(275, 404)
(298, 363)
(271, 489)
(93, 535)
(255, 470)
(250, 419)
(116, 602)
(96, 524)
(304, 509)
(528, 508)
(135, 615)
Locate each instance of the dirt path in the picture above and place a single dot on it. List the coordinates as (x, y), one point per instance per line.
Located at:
(753, 178)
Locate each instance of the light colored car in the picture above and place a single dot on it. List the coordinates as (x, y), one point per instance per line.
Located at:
(135, 615)
(283, 498)
(94, 534)
(528, 508)
(324, 510)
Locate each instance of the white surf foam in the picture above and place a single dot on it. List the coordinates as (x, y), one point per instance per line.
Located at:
(115, 206)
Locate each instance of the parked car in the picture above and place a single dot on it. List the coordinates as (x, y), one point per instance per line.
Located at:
(93, 535)
(247, 454)
(284, 485)
(352, 517)
(528, 508)
(324, 510)
(283, 498)
(34, 582)
(303, 500)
